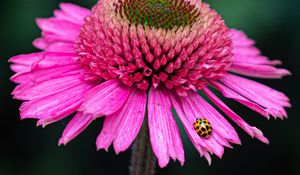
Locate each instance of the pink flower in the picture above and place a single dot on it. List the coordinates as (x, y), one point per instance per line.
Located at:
(127, 58)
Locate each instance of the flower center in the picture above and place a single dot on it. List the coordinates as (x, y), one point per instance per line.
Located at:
(164, 14)
(139, 44)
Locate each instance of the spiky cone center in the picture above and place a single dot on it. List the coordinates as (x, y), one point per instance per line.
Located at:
(128, 40)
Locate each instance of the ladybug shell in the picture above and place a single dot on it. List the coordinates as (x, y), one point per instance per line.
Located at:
(203, 128)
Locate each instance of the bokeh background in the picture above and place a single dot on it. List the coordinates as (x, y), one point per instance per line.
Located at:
(28, 150)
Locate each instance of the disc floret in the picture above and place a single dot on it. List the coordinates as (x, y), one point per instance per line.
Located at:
(164, 14)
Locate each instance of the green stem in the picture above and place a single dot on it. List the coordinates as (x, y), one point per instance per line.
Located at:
(143, 160)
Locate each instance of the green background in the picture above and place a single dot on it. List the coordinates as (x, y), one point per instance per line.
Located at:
(27, 150)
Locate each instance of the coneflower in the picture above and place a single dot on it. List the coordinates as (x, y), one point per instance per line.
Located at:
(135, 60)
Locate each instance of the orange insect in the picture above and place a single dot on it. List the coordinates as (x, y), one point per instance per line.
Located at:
(203, 128)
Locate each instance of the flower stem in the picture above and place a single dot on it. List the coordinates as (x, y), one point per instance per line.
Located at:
(143, 160)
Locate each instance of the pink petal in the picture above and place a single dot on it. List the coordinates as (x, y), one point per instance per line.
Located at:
(51, 59)
(259, 60)
(258, 71)
(247, 59)
(54, 46)
(74, 12)
(239, 38)
(40, 75)
(27, 59)
(164, 133)
(40, 43)
(55, 107)
(252, 131)
(133, 112)
(192, 112)
(201, 108)
(187, 123)
(61, 47)
(228, 93)
(272, 100)
(53, 37)
(44, 59)
(246, 51)
(122, 127)
(58, 14)
(60, 32)
(18, 68)
(108, 132)
(65, 30)
(78, 123)
(39, 90)
(106, 98)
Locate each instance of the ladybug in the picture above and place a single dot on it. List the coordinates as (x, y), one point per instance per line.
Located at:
(203, 128)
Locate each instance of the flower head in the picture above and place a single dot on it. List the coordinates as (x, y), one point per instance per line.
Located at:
(126, 56)
(155, 42)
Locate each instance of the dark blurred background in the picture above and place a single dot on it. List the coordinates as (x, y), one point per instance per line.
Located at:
(28, 150)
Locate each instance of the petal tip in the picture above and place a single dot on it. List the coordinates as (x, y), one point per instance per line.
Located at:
(62, 141)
